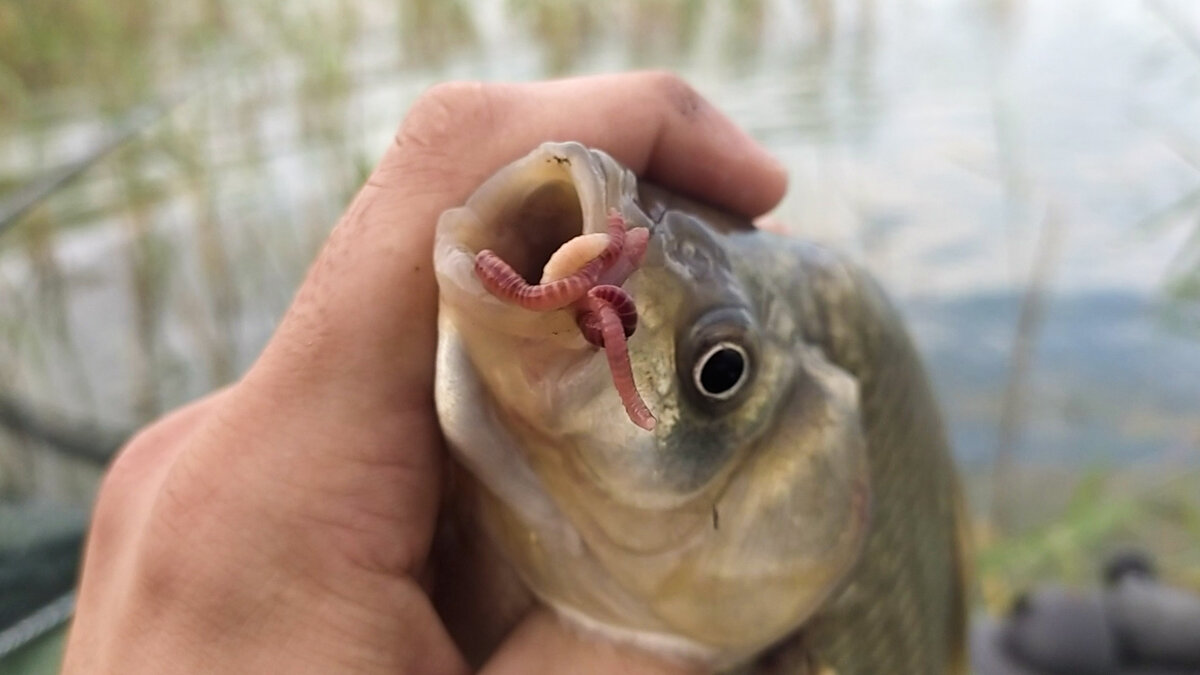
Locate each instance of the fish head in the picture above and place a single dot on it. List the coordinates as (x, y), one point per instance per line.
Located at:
(726, 526)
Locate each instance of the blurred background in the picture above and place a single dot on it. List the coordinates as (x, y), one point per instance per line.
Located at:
(1024, 177)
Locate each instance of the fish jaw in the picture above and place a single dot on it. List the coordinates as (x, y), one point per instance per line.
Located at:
(537, 364)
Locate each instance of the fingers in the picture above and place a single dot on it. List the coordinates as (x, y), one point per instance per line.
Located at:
(659, 126)
(363, 323)
(122, 508)
(543, 645)
(131, 482)
(653, 122)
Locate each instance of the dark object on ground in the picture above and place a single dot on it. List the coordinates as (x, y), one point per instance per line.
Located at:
(40, 550)
(1134, 626)
(37, 575)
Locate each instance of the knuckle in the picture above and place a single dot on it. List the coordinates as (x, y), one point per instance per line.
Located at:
(680, 96)
(133, 460)
(443, 126)
(133, 474)
(663, 78)
(115, 496)
(436, 122)
(127, 469)
(122, 474)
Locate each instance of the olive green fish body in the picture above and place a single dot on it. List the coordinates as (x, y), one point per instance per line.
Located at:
(903, 607)
(794, 508)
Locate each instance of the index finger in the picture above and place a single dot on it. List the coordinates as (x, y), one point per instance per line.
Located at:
(363, 324)
(654, 123)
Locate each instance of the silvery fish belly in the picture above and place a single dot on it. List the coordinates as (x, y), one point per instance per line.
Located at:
(684, 434)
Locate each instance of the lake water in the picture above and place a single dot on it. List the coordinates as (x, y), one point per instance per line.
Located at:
(988, 159)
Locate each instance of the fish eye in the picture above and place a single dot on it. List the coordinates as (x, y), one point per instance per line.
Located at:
(721, 370)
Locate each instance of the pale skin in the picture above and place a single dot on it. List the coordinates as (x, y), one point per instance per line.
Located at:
(284, 523)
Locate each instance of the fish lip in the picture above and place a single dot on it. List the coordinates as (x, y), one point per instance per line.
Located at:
(555, 193)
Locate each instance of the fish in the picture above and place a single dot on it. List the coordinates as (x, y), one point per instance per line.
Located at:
(685, 434)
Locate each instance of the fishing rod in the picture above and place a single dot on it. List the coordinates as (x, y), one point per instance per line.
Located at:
(131, 126)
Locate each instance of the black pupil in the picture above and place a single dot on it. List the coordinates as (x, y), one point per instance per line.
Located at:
(722, 371)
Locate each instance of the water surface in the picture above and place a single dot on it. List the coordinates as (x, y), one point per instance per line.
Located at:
(978, 156)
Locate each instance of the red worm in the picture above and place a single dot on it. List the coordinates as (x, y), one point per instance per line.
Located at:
(502, 281)
(616, 240)
(607, 314)
(617, 350)
(589, 321)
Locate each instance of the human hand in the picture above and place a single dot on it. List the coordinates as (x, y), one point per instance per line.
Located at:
(284, 524)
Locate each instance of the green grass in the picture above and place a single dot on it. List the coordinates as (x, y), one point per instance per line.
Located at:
(43, 656)
(1105, 511)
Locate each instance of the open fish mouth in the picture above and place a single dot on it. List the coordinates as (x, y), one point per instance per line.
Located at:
(527, 212)
(535, 243)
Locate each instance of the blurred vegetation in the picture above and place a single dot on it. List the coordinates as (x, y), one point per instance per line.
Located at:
(47, 45)
(49, 50)
(215, 231)
(1073, 522)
